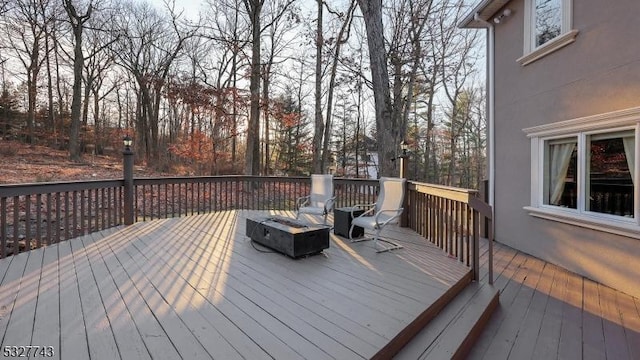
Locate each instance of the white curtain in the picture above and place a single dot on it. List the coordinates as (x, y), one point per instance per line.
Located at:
(629, 143)
(560, 156)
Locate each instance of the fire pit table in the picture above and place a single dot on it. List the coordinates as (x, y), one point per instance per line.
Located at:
(288, 236)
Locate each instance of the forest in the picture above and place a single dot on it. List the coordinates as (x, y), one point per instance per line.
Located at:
(256, 87)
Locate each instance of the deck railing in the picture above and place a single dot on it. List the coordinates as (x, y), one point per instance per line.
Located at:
(170, 197)
(34, 215)
(451, 219)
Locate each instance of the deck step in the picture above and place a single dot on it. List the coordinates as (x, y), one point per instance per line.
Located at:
(453, 331)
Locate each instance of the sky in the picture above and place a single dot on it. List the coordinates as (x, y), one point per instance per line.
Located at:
(191, 7)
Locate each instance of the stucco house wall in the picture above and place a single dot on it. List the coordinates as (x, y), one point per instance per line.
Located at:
(598, 73)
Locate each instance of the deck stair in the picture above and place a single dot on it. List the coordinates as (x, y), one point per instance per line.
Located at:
(452, 332)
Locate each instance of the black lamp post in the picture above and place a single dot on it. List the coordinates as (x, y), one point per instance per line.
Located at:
(403, 159)
(404, 219)
(127, 169)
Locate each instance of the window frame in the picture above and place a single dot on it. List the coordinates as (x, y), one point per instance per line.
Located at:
(581, 128)
(567, 35)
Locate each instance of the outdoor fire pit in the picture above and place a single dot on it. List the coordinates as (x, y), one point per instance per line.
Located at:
(288, 236)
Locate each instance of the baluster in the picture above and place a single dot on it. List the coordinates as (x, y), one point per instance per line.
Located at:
(469, 221)
(49, 230)
(74, 223)
(3, 227)
(27, 222)
(66, 216)
(58, 217)
(173, 200)
(103, 202)
(158, 201)
(98, 210)
(476, 246)
(16, 223)
(38, 221)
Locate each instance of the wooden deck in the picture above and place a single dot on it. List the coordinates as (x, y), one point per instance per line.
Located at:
(196, 288)
(546, 312)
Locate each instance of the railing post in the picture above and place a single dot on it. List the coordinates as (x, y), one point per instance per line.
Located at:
(127, 168)
(404, 217)
(484, 196)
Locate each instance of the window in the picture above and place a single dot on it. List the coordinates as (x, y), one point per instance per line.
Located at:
(547, 21)
(583, 172)
(547, 28)
(560, 172)
(610, 168)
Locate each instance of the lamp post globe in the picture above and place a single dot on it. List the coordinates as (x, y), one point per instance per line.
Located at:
(127, 141)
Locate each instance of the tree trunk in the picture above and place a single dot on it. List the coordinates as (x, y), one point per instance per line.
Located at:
(252, 156)
(234, 119)
(50, 113)
(85, 101)
(265, 97)
(332, 81)
(386, 125)
(97, 130)
(77, 24)
(78, 61)
(32, 83)
(319, 122)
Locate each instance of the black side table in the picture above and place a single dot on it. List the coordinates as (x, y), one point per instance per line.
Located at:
(342, 222)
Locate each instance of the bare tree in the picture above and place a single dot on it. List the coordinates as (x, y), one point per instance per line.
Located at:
(4, 6)
(409, 19)
(147, 47)
(252, 155)
(387, 127)
(342, 38)
(99, 60)
(50, 13)
(254, 11)
(77, 21)
(282, 19)
(25, 29)
(457, 48)
(230, 37)
(319, 121)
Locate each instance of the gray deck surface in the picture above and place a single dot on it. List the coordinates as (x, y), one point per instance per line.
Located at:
(196, 288)
(546, 312)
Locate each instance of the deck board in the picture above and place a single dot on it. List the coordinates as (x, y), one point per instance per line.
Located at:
(631, 321)
(46, 327)
(185, 342)
(570, 346)
(547, 342)
(127, 337)
(155, 338)
(592, 323)
(20, 323)
(72, 333)
(614, 337)
(4, 266)
(100, 337)
(564, 316)
(529, 330)
(196, 288)
(269, 296)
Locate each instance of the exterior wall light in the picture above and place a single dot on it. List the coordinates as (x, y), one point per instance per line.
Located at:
(503, 15)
